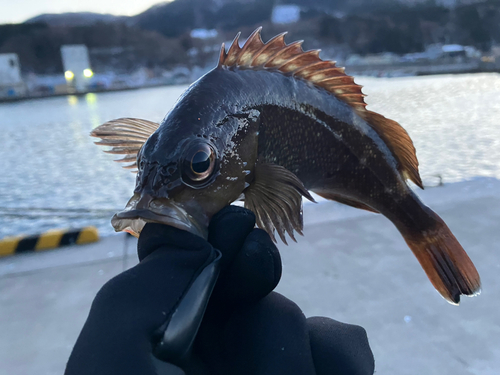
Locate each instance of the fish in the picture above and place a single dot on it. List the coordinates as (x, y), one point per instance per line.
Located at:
(268, 125)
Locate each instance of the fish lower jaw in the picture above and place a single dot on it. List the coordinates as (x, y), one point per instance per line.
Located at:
(133, 221)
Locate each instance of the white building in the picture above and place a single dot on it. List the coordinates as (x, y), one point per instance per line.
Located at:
(203, 33)
(283, 14)
(76, 63)
(11, 82)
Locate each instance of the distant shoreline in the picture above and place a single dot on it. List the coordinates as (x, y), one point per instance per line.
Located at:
(45, 96)
(417, 70)
(376, 71)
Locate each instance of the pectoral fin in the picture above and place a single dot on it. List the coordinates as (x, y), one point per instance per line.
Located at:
(275, 196)
(126, 137)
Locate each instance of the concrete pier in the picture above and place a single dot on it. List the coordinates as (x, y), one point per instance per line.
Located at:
(351, 265)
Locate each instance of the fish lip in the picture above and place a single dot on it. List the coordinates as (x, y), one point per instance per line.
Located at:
(133, 220)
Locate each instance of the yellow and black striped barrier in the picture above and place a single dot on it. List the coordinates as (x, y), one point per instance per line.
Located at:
(47, 240)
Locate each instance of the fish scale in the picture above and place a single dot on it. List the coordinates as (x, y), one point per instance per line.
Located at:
(307, 155)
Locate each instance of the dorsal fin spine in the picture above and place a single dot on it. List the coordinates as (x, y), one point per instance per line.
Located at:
(278, 59)
(260, 53)
(277, 55)
(222, 55)
(297, 62)
(232, 53)
(314, 68)
(245, 54)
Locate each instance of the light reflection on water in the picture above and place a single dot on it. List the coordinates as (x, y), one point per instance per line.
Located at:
(454, 121)
(49, 160)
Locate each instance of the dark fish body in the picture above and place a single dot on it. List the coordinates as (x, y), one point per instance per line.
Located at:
(269, 123)
(310, 133)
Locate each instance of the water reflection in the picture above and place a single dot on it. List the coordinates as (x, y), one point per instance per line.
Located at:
(72, 99)
(453, 121)
(91, 99)
(49, 160)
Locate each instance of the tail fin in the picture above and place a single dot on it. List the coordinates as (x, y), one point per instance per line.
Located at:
(445, 262)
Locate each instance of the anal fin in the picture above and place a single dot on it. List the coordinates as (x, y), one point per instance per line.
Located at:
(342, 199)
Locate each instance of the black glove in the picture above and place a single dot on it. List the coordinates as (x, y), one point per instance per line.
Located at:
(149, 312)
(248, 329)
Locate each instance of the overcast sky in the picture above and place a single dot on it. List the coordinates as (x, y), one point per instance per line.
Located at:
(15, 11)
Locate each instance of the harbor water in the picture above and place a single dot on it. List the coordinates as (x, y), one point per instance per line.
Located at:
(53, 176)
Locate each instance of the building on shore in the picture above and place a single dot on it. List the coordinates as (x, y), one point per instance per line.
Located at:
(285, 14)
(203, 33)
(76, 64)
(11, 82)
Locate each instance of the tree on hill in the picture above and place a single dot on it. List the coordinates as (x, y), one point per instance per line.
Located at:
(180, 16)
(39, 47)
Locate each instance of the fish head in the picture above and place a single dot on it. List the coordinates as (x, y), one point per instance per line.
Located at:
(189, 169)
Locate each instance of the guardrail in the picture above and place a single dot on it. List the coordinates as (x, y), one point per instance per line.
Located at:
(49, 240)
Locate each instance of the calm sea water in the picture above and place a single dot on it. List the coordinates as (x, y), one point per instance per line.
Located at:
(53, 176)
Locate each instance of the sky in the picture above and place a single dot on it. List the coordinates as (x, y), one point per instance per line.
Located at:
(15, 11)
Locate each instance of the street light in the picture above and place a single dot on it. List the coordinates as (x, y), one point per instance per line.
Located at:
(69, 75)
(88, 73)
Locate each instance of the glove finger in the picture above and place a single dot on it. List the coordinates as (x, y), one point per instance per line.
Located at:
(129, 314)
(155, 236)
(254, 272)
(269, 337)
(228, 231)
(339, 348)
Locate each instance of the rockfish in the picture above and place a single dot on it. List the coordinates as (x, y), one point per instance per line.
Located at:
(268, 124)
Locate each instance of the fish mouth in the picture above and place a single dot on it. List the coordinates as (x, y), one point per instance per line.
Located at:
(144, 209)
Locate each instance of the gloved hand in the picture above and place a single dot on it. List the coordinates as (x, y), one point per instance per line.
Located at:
(146, 313)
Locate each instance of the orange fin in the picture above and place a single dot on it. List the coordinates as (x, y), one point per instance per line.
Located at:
(445, 262)
(126, 137)
(291, 59)
(344, 200)
(399, 143)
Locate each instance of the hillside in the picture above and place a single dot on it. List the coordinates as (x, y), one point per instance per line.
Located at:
(160, 38)
(74, 19)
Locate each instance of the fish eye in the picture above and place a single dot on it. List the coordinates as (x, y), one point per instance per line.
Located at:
(199, 164)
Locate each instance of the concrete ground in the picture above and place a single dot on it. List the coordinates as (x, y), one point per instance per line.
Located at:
(351, 265)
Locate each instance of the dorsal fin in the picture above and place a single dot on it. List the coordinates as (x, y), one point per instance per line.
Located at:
(308, 66)
(126, 137)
